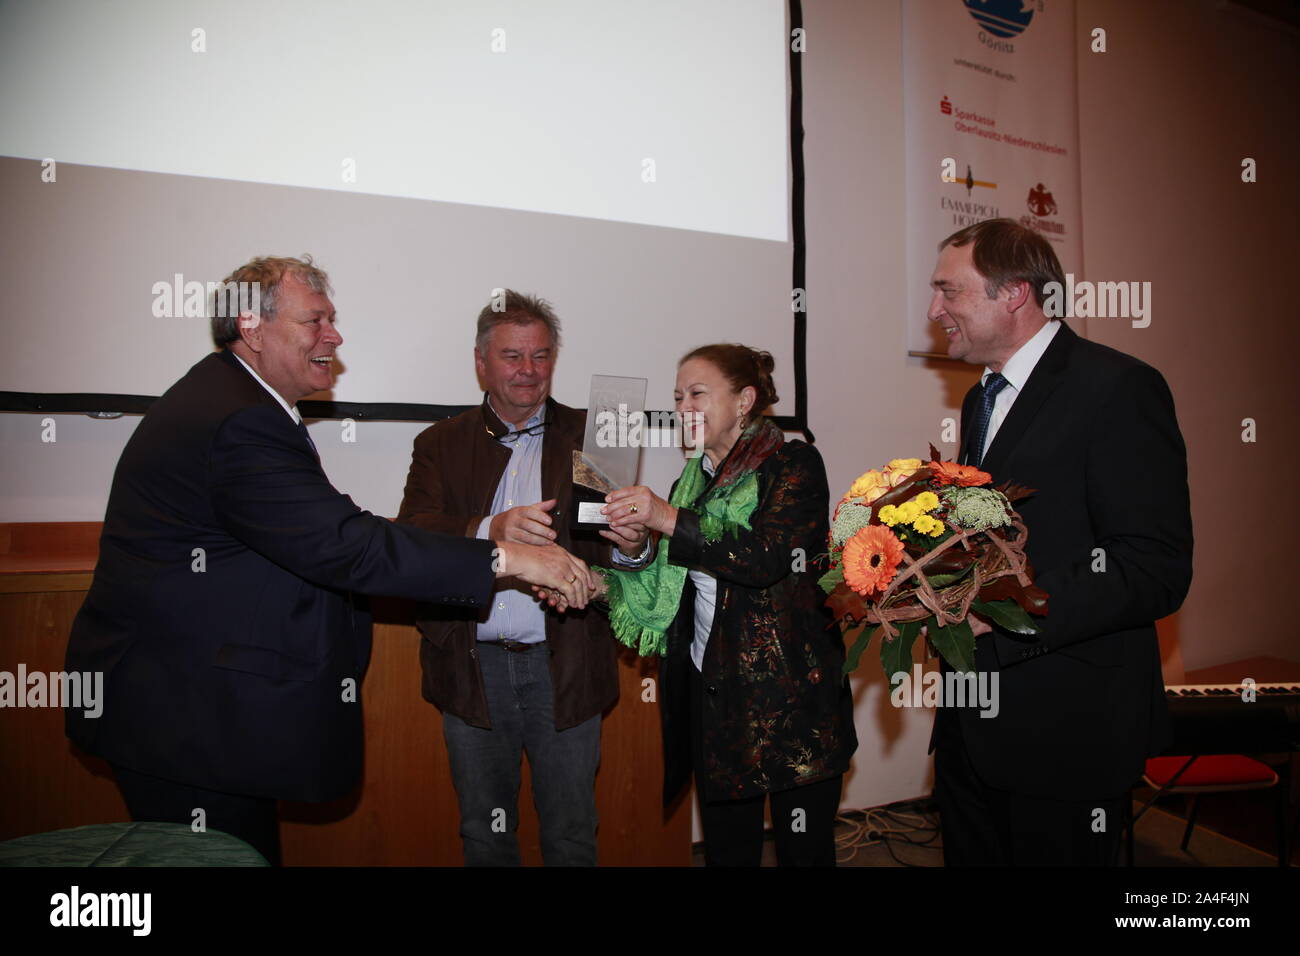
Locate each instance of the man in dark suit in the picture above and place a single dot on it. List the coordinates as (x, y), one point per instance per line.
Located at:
(1110, 539)
(515, 679)
(221, 612)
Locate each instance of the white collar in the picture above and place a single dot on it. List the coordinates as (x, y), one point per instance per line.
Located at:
(292, 410)
(1019, 367)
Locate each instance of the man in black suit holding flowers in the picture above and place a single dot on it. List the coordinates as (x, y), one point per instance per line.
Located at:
(1110, 539)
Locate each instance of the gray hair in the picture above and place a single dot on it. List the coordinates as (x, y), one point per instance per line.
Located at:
(255, 287)
(507, 305)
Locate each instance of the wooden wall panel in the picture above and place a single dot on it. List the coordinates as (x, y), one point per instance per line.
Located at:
(407, 778)
(48, 784)
(404, 813)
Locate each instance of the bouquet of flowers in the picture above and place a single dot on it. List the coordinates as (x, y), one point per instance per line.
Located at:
(918, 545)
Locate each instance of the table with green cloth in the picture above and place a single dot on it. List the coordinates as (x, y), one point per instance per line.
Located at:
(130, 844)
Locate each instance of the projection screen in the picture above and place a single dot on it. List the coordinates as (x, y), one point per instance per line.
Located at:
(627, 161)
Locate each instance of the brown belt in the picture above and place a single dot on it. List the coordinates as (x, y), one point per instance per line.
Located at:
(516, 646)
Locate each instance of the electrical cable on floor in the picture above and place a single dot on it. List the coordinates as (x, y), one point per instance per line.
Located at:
(895, 823)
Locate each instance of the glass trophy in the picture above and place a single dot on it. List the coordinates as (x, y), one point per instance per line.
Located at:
(611, 447)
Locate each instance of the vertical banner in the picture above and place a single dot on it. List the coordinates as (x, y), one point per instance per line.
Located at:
(991, 120)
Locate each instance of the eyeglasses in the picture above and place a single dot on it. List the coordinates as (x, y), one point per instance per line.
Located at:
(509, 438)
(512, 437)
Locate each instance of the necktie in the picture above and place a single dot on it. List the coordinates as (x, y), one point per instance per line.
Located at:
(980, 427)
(303, 426)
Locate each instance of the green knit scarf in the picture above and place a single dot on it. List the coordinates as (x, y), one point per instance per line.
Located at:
(642, 604)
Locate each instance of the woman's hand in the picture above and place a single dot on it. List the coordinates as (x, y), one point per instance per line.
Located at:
(639, 510)
(557, 600)
(629, 539)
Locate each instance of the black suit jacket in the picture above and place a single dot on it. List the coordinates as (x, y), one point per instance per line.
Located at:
(1110, 539)
(221, 611)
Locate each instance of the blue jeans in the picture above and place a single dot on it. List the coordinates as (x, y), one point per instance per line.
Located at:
(485, 765)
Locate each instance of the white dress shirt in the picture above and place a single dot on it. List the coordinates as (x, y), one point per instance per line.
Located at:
(706, 599)
(1016, 371)
(291, 410)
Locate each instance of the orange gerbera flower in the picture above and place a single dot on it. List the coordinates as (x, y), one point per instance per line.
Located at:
(951, 473)
(871, 558)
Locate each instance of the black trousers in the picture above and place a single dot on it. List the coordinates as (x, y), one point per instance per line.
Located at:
(803, 818)
(983, 826)
(253, 819)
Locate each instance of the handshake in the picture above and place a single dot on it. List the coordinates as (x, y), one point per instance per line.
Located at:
(556, 576)
(526, 546)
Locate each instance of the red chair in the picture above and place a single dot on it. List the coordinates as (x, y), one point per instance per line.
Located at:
(1214, 773)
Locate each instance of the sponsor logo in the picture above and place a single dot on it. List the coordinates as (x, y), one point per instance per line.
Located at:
(1040, 201)
(1001, 21)
(1042, 204)
(969, 180)
(966, 212)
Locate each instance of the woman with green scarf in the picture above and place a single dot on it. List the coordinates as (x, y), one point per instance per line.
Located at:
(752, 696)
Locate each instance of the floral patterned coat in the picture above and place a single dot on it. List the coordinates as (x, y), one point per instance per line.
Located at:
(776, 711)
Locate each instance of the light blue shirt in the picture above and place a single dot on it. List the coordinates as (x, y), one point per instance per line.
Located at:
(516, 614)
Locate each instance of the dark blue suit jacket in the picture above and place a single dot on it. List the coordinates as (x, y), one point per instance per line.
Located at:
(1110, 539)
(221, 610)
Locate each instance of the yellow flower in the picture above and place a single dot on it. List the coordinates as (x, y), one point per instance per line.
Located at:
(909, 511)
(908, 465)
(870, 485)
(927, 500)
(888, 515)
(900, 469)
(928, 524)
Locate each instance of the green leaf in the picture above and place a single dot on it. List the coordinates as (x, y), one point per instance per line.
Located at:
(955, 644)
(831, 579)
(1007, 615)
(859, 645)
(896, 655)
(943, 580)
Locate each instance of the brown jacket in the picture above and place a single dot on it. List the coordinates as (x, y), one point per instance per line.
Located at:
(455, 469)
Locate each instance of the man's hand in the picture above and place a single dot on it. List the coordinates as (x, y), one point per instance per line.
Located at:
(548, 566)
(558, 601)
(525, 524)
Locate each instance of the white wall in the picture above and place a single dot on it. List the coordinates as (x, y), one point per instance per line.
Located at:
(1185, 91)
(869, 401)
